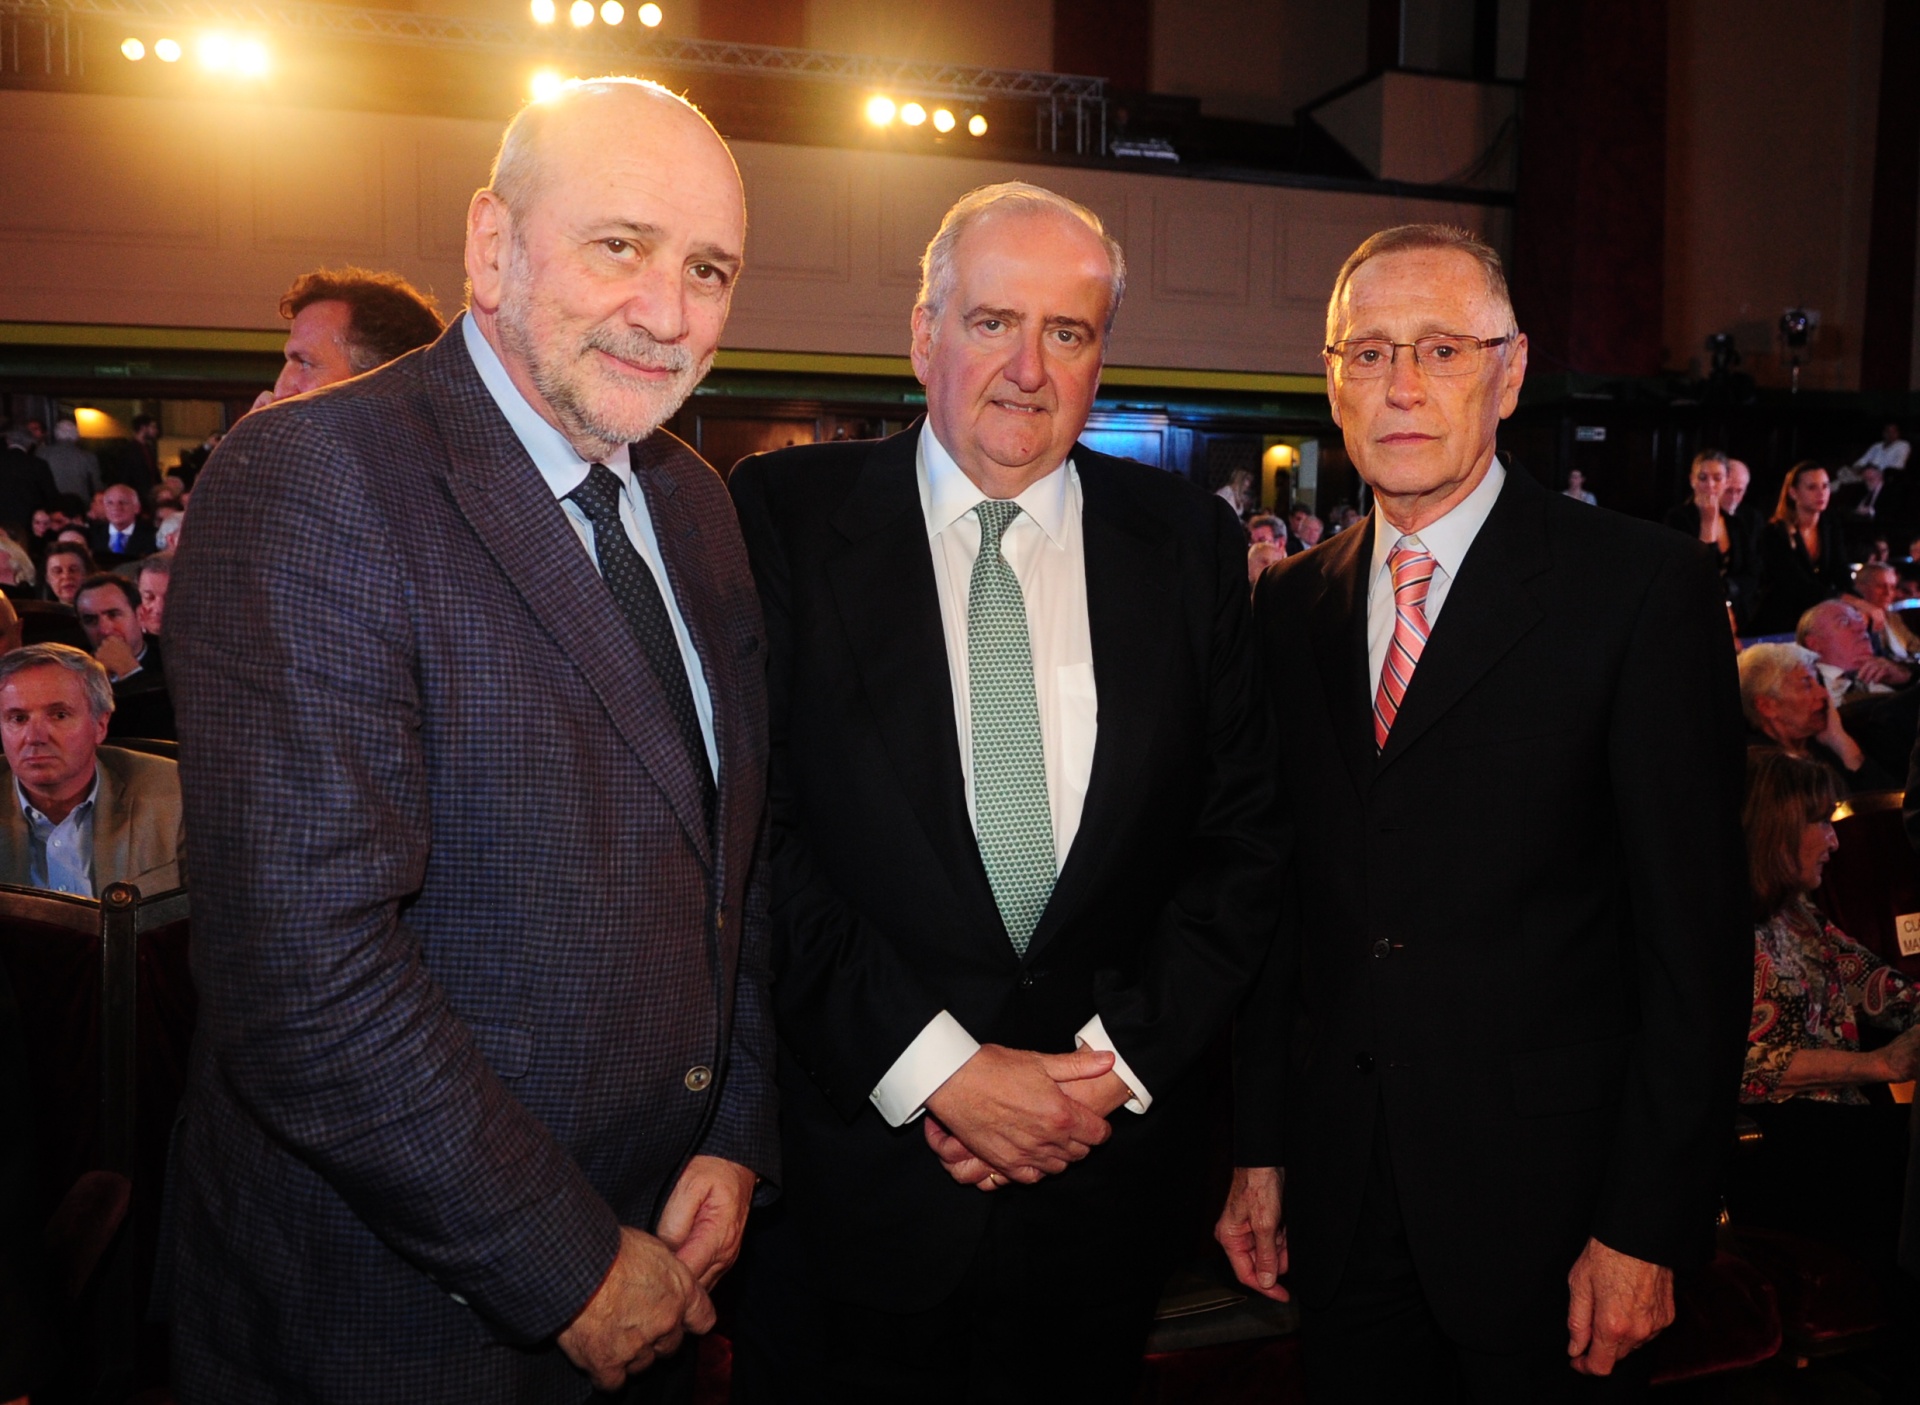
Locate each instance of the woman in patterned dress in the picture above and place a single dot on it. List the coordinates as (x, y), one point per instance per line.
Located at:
(1832, 1158)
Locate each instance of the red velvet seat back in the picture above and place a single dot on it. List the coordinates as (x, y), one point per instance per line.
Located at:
(1874, 877)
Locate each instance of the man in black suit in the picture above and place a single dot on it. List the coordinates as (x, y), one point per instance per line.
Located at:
(123, 536)
(109, 611)
(1497, 1053)
(1023, 855)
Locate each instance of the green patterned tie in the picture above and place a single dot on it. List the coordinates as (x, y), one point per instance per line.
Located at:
(1011, 812)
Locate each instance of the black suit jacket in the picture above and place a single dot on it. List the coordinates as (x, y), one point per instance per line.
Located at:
(1791, 581)
(1739, 568)
(140, 542)
(882, 912)
(1523, 934)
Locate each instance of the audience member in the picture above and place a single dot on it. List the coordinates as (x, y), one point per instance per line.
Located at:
(68, 563)
(1704, 518)
(195, 459)
(1830, 1163)
(1787, 706)
(136, 461)
(109, 609)
(1837, 633)
(1265, 527)
(80, 815)
(26, 486)
(1875, 588)
(74, 469)
(1890, 453)
(1311, 530)
(1744, 516)
(345, 323)
(1577, 488)
(155, 573)
(1263, 554)
(123, 536)
(1238, 492)
(1801, 557)
(10, 627)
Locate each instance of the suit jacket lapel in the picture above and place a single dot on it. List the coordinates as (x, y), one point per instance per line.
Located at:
(1337, 627)
(1488, 609)
(1130, 597)
(883, 585)
(112, 835)
(511, 510)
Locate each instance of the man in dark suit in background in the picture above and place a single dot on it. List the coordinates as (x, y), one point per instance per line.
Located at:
(1022, 859)
(123, 536)
(1497, 1053)
(483, 1074)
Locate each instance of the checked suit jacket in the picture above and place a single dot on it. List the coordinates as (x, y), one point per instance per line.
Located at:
(475, 980)
(882, 911)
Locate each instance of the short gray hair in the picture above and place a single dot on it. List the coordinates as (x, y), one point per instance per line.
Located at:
(1410, 238)
(1764, 668)
(1818, 616)
(1865, 566)
(518, 168)
(937, 273)
(91, 673)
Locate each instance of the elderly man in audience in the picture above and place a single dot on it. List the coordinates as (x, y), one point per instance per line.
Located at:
(1876, 697)
(82, 815)
(1831, 1163)
(1876, 586)
(1788, 707)
(123, 536)
(109, 610)
(156, 573)
(345, 323)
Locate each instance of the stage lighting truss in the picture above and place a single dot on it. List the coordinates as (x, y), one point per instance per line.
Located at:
(1070, 111)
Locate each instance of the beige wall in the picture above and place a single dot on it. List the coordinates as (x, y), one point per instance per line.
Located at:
(168, 214)
(1767, 201)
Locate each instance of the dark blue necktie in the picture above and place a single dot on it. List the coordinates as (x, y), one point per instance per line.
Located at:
(637, 594)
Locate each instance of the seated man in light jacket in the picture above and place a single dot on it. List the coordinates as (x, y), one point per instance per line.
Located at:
(77, 815)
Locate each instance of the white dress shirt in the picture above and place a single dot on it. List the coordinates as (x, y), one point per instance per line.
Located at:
(564, 470)
(60, 856)
(1446, 541)
(1044, 547)
(1885, 455)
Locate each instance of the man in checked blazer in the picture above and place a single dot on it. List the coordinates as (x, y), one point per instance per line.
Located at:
(968, 1005)
(483, 1080)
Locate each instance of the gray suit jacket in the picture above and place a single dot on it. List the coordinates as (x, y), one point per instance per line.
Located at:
(138, 836)
(476, 980)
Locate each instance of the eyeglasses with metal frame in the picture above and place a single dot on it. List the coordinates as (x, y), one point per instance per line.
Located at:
(1442, 354)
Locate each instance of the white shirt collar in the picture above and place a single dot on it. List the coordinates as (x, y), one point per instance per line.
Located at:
(552, 453)
(1447, 539)
(947, 494)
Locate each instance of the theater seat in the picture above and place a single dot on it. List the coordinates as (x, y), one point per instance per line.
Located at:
(1829, 1301)
(1727, 1318)
(1874, 877)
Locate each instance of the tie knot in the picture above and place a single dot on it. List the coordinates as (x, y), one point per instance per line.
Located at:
(599, 496)
(1408, 564)
(995, 515)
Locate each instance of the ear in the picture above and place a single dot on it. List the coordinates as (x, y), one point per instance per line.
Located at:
(1516, 374)
(489, 227)
(921, 350)
(100, 725)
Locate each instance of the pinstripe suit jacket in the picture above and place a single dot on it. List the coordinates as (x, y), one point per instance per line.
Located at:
(461, 934)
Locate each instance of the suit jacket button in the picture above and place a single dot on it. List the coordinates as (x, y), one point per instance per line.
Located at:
(720, 921)
(1363, 1062)
(697, 1079)
(1380, 949)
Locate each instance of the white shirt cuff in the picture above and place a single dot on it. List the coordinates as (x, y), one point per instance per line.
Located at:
(1094, 1035)
(934, 1056)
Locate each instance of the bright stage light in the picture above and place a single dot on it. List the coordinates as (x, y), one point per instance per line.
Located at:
(133, 49)
(942, 120)
(216, 52)
(167, 51)
(651, 16)
(543, 11)
(250, 58)
(547, 85)
(880, 110)
(581, 13)
(913, 114)
(977, 125)
(613, 12)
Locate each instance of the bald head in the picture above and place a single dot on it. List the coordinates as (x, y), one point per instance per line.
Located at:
(602, 257)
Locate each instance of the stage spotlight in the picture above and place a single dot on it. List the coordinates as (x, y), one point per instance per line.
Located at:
(250, 58)
(977, 125)
(543, 11)
(546, 84)
(581, 13)
(913, 114)
(942, 120)
(167, 51)
(650, 16)
(133, 49)
(613, 12)
(880, 110)
(216, 52)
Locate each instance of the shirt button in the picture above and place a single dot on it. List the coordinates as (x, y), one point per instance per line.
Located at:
(1380, 949)
(1363, 1062)
(720, 922)
(697, 1079)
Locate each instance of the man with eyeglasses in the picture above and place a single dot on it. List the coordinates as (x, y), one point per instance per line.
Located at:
(1493, 1056)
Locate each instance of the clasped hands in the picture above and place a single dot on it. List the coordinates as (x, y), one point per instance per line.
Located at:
(656, 1291)
(1015, 1115)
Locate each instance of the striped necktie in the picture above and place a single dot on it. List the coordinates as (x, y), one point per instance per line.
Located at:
(1412, 573)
